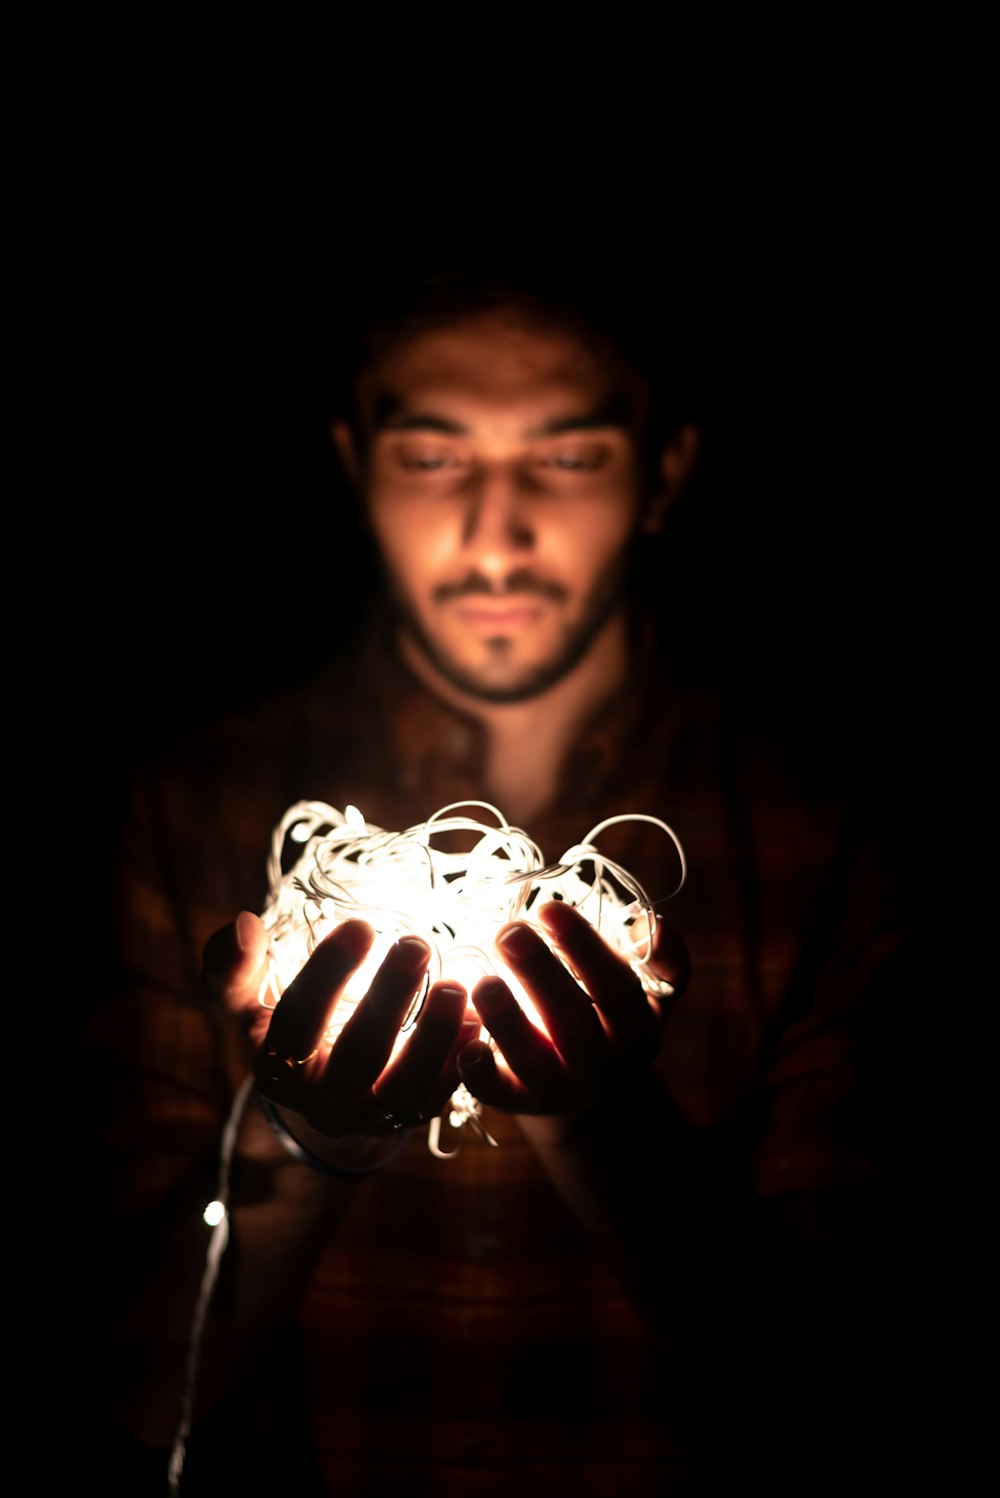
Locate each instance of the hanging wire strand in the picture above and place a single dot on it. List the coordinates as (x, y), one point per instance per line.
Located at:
(216, 1248)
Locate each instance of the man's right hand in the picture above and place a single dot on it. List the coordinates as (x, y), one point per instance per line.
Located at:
(357, 1086)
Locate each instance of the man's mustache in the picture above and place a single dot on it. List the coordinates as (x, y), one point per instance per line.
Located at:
(522, 583)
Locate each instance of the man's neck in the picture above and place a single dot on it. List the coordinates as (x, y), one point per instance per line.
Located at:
(527, 742)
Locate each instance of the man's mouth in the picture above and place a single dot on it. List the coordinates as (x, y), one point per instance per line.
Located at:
(520, 591)
(500, 615)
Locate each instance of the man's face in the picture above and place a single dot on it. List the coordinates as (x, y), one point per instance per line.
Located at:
(503, 484)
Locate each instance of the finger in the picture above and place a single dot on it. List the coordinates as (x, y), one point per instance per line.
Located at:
(565, 1009)
(450, 1078)
(496, 1088)
(530, 1055)
(670, 959)
(412, 1080)
(234, 962)
(365, 1043)
(303, 1013)
(629, 1022)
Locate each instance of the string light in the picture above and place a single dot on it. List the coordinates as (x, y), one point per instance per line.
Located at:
(216, 1216)
(414, 883)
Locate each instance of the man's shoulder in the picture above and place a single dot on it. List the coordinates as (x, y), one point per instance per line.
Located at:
(263, 737)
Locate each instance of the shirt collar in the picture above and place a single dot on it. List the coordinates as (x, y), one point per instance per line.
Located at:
(431, 741)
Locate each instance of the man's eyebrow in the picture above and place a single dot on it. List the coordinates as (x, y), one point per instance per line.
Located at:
(614, 413)
(390, 415)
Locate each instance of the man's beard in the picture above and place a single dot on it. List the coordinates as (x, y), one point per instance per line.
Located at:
(604, 597)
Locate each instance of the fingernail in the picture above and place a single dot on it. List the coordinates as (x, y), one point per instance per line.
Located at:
(451, 991)
(354, 937)
(415, 951)
(493, 995)
(558, 917)
(246, 930)
(474, 1055)
(518, 942)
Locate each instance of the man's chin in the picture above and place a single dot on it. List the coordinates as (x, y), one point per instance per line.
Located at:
(511, 684)
(503, 669)
(497, 677)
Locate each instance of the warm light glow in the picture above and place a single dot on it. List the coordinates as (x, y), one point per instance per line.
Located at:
(405, 883)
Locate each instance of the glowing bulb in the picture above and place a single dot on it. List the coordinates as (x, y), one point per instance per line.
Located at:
(214, 1213)
(404, 883)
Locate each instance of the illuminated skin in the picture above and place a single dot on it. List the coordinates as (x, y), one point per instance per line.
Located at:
(503, 484)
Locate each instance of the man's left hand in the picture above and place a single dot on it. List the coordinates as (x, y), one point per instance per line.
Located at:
(599, 1018)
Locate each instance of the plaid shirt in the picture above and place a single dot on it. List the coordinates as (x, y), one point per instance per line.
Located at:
(459, 1334)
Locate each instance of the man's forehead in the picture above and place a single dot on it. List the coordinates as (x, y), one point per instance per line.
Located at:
(504, 362)
(454, 418)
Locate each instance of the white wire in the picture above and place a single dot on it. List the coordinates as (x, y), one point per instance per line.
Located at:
(216, 1248)
(403, 883)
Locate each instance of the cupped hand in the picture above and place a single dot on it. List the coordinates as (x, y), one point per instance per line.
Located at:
(356, 1085)
(599, 1018)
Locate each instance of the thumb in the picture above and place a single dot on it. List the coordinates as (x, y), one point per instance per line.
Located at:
(234, 962)
(670, 958)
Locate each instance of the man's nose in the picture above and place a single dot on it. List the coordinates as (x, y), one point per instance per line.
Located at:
(498, 520)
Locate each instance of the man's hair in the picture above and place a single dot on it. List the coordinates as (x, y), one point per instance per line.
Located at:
(601, 303)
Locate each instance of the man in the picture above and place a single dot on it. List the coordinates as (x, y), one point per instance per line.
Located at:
(600, 1300)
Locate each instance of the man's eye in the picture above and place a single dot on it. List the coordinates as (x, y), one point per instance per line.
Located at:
(572, 462)
(426, 462)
